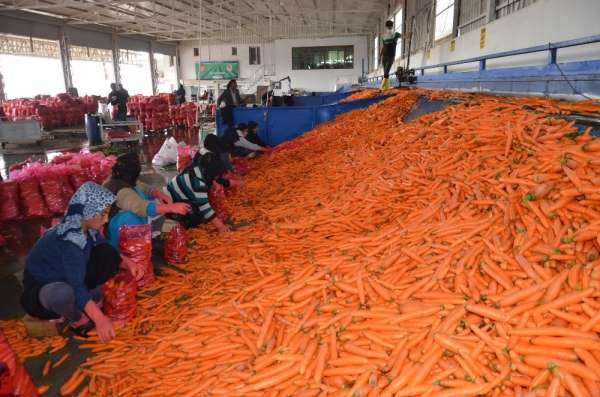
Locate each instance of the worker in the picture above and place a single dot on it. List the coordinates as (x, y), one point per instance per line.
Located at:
(253, 135)
(113, 99)
(123, 99)
(241, 146)
(214, 144)
(191, 187)
(136, 202)
(180, 95)
(69, 263)
(388, 52)
(229, 99)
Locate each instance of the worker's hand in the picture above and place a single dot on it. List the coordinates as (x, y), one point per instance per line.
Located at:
(221, 227)
(162, 197)
(175, 208)
(136, 270)
(105, 329)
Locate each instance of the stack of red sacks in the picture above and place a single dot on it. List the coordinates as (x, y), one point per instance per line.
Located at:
(62, 110)
(151, 111)
(184, 114)
(39, 190)
(159, 111)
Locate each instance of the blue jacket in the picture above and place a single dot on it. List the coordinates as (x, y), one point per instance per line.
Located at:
(55, 260)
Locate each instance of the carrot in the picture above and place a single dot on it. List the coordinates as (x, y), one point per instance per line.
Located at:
(46, 367)
(61, 360)
(489, 312)
(264, 328)
(554, 388)
(321, 358)
(43, 389)
(571, 367)
(72, 383)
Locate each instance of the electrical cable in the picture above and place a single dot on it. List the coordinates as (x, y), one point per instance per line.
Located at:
(575, 91)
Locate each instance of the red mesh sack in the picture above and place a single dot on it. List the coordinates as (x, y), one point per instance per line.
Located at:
(31, 198)
(14, 379)
(118, 294)
(51, 184)
(135, 242)
(63, 174)
(78, 176)
(176, 245)
(218, 201)
(184, 157)
(241, 165)
(9, 201)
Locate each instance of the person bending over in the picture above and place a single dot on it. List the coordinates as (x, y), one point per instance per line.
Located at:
(191, 187)
(69, 263)
(136, 202)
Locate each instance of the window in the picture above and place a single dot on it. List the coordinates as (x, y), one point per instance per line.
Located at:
(254, 55)
(444, 18)
(308, 58)
(398, 29)
(196, 52)
(233, 50)
(376, 55)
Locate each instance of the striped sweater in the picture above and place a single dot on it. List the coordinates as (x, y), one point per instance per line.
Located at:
(189, 187)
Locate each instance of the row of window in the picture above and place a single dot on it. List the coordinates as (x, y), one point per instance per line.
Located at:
(309, 58)
(253, 54)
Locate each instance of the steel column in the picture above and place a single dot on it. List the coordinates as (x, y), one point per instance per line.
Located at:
(153, 70)
(491, 12)
(65, 59)
(116, 57)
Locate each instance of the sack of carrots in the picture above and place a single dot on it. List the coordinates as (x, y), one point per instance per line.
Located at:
(454, 255)
(176, 250)
(14, 378)
(119, 297)
(135, 242)
(218, 201)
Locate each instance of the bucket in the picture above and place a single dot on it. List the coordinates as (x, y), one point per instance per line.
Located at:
(92, 130)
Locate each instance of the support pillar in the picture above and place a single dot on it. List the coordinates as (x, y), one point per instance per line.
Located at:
(65, 59)
(153, 70)
(115, 57)
(491, 12)
(178, 66)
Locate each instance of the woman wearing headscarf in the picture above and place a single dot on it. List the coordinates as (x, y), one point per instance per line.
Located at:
(69, 263)
(136, 202)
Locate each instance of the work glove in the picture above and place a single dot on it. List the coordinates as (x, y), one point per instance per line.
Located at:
(175, 208)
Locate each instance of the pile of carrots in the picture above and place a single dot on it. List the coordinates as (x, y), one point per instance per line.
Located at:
(455, 255)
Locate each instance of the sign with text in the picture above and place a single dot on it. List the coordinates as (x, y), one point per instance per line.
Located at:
(226, 70)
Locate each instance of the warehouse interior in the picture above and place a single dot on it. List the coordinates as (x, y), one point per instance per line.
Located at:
(293, 198)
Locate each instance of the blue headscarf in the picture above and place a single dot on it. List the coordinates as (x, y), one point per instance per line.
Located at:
(87, 202)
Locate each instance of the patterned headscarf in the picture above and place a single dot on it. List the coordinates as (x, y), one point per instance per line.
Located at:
(87, 202)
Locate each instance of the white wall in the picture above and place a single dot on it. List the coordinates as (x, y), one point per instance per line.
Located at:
(320, 80)
(540, 23)
(279, 54)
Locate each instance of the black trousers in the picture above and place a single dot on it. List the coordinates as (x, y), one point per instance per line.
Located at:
(227, 114)
(387, 65)
(104, 264)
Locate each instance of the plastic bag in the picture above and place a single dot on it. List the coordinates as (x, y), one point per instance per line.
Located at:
(119, 297)
(51, 185)
(167, 154)
(135, 242)
(78, 177)
(14, 378)
(176, 245)
(31, 198)
(9, 201)
(218, 201)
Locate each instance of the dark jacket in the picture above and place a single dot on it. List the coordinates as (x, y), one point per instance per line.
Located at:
(230, 98)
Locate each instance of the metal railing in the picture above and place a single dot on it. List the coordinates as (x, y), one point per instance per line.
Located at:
(552, 48)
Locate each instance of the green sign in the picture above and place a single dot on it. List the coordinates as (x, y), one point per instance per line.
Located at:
(217, 70)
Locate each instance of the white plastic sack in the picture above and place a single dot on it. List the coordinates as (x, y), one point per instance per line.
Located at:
(167, 154)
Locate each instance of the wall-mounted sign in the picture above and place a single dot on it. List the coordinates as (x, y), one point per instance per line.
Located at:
(482, 38)
(226, 70)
